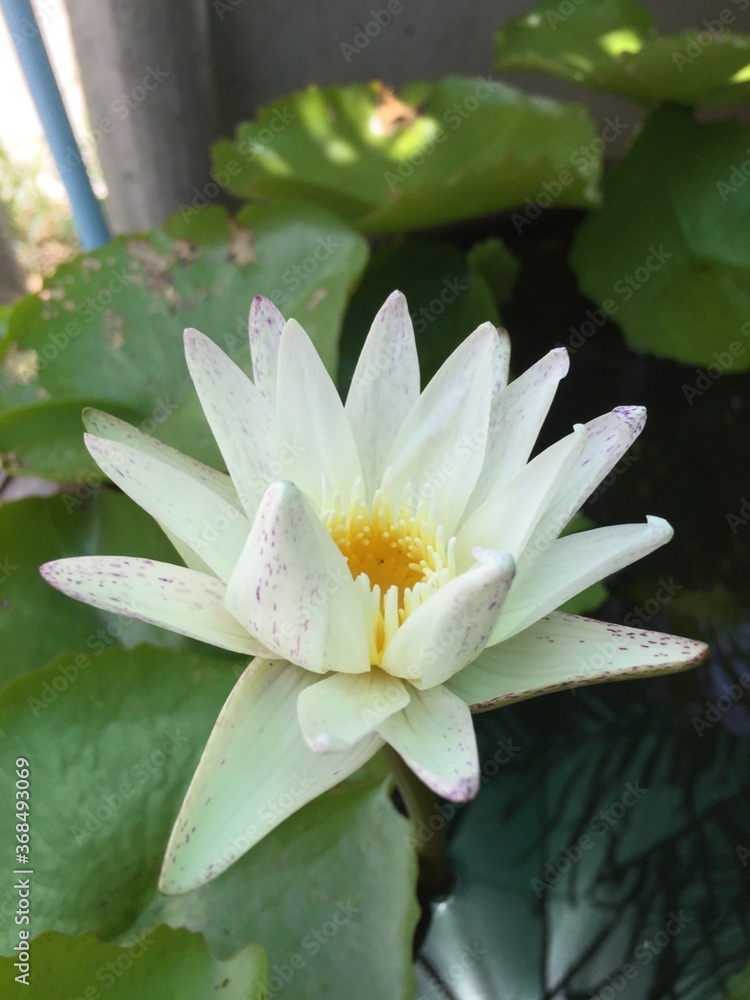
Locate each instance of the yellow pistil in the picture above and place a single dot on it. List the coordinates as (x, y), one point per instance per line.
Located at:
(397, 557)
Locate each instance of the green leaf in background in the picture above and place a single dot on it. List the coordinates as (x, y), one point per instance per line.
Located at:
(5, 311)
(613, 45)
(166, 965)
(36, 621)
(433, 154)
(106, 330)
(739, 985)
(110, 754)
(668, 257)
(329, 895)
(497, 265)
(447, 301)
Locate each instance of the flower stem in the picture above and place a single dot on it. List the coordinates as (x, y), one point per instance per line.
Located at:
(435, 873)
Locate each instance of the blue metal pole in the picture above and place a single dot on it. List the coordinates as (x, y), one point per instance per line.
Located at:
(89, 219)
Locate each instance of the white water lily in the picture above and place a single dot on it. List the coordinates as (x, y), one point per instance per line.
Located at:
(392, 564)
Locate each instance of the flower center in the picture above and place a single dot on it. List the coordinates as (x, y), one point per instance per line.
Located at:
(398, 559)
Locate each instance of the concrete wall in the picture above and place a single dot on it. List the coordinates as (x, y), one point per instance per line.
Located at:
(218, 60)
(148, 78)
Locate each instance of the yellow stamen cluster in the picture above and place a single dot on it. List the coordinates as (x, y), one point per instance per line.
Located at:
(397, 557)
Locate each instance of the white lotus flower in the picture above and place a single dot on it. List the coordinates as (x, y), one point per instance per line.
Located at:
(391, 564)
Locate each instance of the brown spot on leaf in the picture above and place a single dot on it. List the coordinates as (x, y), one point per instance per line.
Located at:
(391, 114)
(10, 462)
(241, 245)
(186, 252)
(317, 296)
(113, 323)
(155, 268)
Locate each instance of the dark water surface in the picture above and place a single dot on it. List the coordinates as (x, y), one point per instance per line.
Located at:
(608, 853)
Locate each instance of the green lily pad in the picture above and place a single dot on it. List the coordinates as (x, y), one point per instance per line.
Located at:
(435, 153)
(36, 621)
(110, 759)
(667, 256)
(614, 46)
(106, 330)
(330, 896)
(166, 965)
(110, 754)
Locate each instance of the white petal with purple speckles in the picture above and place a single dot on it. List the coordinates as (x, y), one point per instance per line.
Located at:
(264, 327)
(384, 387)
(159, 593)
(507, 519)
(212, 527)
(111, 428)
(453, 625)
(565, 650)
(438, 453)
(255, 771)
(548, 577)
(191, 559)
(609, 437)
(240, 418)
(313, 431)
(342, 709)
(292, 588)
(435, 736)
(516, 417)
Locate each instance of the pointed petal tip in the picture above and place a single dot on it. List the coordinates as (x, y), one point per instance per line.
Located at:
(560, 359)
(462, 789)
(294, 328)
(91, 416)
(259, 305)
(264, 321)
(661, 526)
(172, 882)
(192, 337)
(200, 349)
(99, 423)
(633, 411)
(196, 345)
(501, 564)
(700, 652)
(486, 334)
(488, 329)
(281, 491)
(48, 571)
